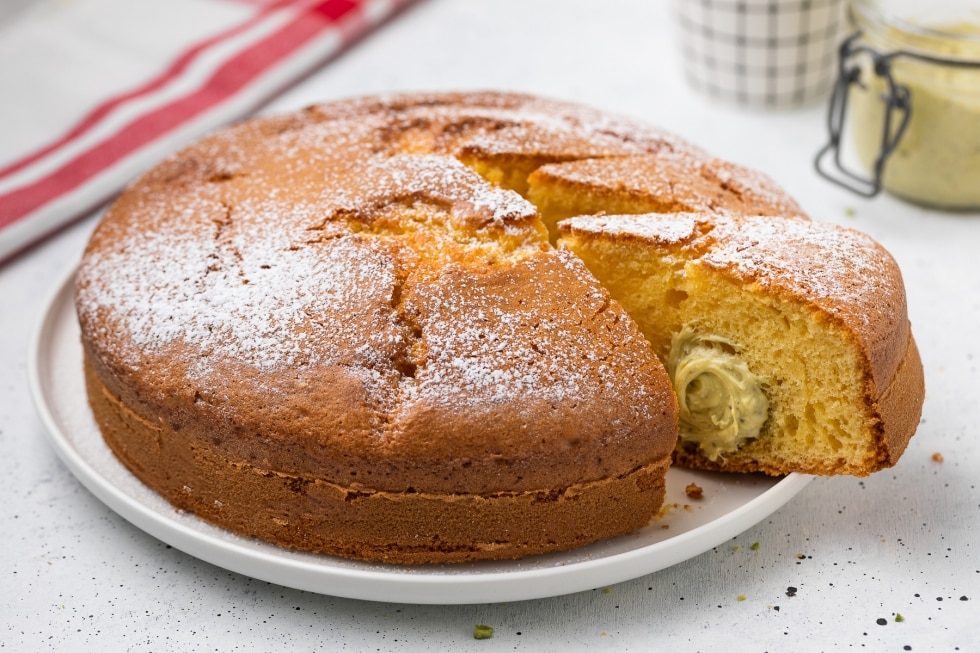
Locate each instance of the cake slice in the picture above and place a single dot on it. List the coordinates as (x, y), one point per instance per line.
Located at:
(787, 341)
(671, 181)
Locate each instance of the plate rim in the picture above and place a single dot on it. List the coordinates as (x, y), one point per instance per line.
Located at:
(379, 585)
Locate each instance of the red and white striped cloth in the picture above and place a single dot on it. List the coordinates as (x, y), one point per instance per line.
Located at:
(96, 91)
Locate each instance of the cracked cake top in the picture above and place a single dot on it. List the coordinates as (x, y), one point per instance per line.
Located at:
(340, 284)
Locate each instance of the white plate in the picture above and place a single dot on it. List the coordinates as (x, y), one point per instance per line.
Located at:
(731, 504)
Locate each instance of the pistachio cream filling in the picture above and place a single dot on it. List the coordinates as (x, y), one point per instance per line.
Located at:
(721, 402)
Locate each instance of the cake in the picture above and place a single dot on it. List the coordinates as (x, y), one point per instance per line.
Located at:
(348, 329)
(787, 341)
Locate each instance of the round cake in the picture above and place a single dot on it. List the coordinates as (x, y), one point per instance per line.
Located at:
(348, 329)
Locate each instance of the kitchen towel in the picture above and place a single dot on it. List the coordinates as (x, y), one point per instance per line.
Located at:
(96, 91)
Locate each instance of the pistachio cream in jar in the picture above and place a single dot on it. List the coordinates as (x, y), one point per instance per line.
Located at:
(928, 52)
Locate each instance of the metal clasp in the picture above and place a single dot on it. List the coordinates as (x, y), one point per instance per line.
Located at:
(898, 109)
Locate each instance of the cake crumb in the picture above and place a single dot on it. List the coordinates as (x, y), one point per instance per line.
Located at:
(937, 457)
(665, 510)
(694, 491)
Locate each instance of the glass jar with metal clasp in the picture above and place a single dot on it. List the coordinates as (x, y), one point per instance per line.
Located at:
(908, 95)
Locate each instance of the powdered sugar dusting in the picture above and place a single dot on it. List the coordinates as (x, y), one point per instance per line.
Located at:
(841, 270)
(507, 343)
(446, 180)
(753, 187)
(251, 298)
(532, 126)
(256, 251)
(664, 228)
(674, 181)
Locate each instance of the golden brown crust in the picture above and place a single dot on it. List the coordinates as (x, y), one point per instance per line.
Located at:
(900, 407)
(409, 527)
(666, 183)
(670, 181)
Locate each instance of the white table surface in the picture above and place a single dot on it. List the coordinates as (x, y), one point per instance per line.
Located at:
(75, 576)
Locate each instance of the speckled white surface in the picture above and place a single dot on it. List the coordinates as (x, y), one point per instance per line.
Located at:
(841, 558)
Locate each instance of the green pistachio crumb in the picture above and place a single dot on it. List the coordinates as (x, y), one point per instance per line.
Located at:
(899, 617)
(755, 546)
(736, 548)
(481, 631)
(741, 597)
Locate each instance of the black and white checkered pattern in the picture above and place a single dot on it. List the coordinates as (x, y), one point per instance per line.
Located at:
(767, 53)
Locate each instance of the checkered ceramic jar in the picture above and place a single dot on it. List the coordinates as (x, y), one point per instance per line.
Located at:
(764, 53)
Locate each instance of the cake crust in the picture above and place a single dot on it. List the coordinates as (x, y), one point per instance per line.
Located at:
(357, 521)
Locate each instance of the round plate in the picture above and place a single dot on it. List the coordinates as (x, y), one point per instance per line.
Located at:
(731, 503)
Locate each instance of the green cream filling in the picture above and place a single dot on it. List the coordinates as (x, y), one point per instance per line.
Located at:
(721, 402)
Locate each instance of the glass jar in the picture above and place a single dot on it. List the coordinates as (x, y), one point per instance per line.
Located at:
(909, 86)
